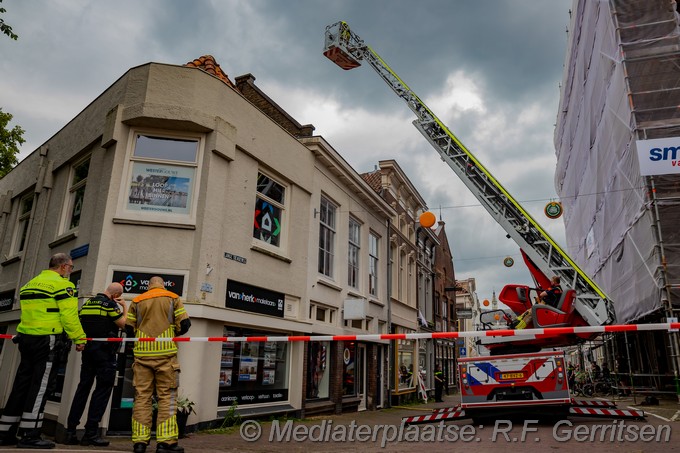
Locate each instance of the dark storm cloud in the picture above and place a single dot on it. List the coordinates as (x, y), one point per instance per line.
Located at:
(509, 51)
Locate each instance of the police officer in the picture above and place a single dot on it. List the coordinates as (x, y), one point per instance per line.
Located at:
(101, 316)
(49, 307)
(157, 313)
(438, 384)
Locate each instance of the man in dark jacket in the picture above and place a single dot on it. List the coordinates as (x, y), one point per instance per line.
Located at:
(438, 384)
(101, 317)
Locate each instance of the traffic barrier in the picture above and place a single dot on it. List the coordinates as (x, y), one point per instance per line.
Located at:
(550, 331)
(607, 413)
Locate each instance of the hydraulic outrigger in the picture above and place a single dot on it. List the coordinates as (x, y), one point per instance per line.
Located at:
(508, 379)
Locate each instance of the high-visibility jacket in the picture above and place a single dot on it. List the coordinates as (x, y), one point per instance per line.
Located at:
(49, 305)
(156, 314)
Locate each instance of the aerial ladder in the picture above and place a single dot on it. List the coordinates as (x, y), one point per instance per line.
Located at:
(518, 374)
(543, 256)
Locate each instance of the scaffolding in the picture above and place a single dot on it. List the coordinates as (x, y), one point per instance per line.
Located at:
(621, 84)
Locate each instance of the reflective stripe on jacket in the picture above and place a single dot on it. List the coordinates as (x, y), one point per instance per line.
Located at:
(156, 314)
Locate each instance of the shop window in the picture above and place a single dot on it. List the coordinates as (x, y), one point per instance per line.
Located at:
(372, 264)
(326, 237)
(318, 376)
(349, 369)
(252, 372)
(353, 253)
(163, 175)
(76, 194)
(21, 232)
(404, 352)
(269, 210)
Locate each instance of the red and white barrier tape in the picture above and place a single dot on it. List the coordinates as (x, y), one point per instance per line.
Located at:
(547, 331)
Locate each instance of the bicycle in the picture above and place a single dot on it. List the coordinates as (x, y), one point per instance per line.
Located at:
(583, 386)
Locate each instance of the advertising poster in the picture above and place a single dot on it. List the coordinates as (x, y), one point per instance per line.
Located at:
(227, 358)
(160, 188)
(268, 377)
(269, 360)
(225, 377)
(248, 369)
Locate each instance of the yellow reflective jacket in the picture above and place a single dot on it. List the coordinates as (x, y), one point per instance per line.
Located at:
(49, 306)
(156, 314)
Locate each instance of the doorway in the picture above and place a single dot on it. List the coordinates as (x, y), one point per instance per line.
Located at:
(361, 375)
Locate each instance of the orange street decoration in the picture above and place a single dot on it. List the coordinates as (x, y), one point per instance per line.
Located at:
(427, 219)
(486, 302)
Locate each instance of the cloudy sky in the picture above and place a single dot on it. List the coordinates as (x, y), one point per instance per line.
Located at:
(489, 69)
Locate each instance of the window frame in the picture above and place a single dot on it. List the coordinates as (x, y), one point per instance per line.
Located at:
(71, 194)
(188, 218)
(326, 256)
(283, 207)
(23, 224)
(373, 260)
(353, 259)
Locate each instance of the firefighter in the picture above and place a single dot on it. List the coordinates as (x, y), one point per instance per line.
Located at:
(157, 313)
(549, 297)
(49, 308)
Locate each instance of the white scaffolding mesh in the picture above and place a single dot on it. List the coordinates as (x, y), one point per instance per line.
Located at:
(621, 84)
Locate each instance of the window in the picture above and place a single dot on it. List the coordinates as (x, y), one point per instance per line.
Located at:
(355, 323)
(252, 372)
(326, 237)
(401, 295)
(317, 378)
(269, 208)
(163, 175)
(372, 264)
(349, 371)
(76, 194)
(353, 254)
(322, 314)
(404, 352)
(25, 208)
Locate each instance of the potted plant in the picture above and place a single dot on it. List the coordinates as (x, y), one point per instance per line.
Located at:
(185, 407)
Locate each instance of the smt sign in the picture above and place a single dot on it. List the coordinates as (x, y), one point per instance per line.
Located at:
(660, 156)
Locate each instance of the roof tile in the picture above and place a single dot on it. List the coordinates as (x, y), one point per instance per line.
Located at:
(208, 64)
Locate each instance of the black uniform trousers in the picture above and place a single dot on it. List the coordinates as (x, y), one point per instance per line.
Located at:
(35, 379)
(99, 363)
(438, 389)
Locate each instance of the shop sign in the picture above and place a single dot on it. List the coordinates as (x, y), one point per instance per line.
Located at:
(138, 282)
(659, 156)
(6, 300)
(464, 313)
(241, 296)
